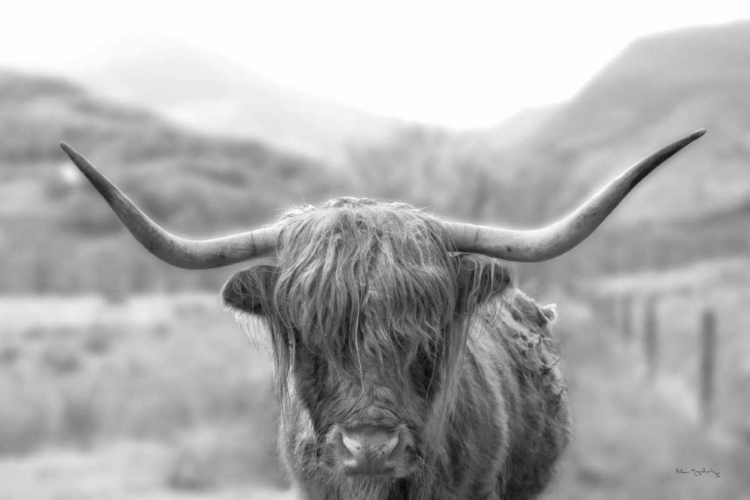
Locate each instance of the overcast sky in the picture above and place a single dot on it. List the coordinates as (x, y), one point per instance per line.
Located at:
(461, 64)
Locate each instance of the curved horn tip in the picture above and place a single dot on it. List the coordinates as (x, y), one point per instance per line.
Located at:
(698, 133)
(66, 147)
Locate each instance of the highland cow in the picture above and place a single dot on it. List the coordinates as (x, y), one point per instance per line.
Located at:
(407, 364)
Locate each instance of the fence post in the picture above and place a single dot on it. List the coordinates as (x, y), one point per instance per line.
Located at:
(651, 336)
(607, 305)
(708, 368)
(625, 316)
(613, 309)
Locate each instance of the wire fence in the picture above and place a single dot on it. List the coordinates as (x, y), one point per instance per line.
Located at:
(640, 322)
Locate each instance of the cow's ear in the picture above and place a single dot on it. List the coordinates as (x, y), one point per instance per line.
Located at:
(250, 290)
(480, 279)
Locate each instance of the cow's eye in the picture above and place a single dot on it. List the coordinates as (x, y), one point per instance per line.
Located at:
(423, 374)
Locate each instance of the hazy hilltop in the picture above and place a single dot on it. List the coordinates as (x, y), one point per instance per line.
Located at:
(660, 88)
(516, 129)
(657, 90)
(192, 183)
(206, 92)
(140, 148)
(538, 165)
(653, 77)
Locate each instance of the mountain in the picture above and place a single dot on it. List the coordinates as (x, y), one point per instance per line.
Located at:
(191, 183)
(658, 89)
(517, 128)
(206, 92)
(159, 160)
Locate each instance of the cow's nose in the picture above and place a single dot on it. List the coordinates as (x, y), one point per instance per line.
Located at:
(369, 443)
(369, 450)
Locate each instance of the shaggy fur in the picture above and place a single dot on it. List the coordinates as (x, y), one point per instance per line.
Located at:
(375, 321)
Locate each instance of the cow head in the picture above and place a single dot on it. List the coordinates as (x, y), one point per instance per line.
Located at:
(367, 310)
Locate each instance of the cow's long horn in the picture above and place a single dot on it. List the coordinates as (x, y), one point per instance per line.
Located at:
(180, 252)
(556, 239)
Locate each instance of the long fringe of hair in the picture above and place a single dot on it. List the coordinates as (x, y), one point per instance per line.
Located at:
(361, 278)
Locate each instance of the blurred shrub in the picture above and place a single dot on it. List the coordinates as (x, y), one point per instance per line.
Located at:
(160, 330)
(80, 420)
(98, 340)
(195, 465)
(9, 354)
(61, 359)
(23, 420)
(35, 333)
(239, 453)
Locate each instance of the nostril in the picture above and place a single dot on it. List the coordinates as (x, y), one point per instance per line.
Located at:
(352, 445)
(369, 444)
(389, 445)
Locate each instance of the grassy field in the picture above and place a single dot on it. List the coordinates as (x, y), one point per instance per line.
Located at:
(629, 436)
(169, 386)
(165, 398)
(680, 299)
